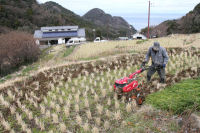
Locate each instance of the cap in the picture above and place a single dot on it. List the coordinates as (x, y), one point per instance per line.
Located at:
(156, 46)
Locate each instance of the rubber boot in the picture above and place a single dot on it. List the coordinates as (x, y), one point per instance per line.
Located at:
(148, 79)
(162, 81)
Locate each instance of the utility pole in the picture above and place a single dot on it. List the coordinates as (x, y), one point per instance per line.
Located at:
(148, 35)
(94, 33)
(107, 32)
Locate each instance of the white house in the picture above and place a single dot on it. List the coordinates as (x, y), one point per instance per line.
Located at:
(139, 36)
(57, 34)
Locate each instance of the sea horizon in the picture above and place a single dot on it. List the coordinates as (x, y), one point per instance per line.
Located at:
(140, 20)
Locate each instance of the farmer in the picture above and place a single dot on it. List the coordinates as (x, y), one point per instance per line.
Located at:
(159, 58)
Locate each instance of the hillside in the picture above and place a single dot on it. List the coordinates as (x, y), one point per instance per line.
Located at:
(65, 16)
(28, 15)
(190, 23)
(113, 23)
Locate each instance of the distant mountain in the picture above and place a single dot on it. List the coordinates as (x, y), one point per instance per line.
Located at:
(64, 16)
(113, 23)
(190, 23)
(29, 15)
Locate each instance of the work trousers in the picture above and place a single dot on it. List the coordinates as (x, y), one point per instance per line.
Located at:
(161, 73)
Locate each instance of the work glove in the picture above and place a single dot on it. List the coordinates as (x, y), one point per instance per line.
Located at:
(143, 64)
(164, 65)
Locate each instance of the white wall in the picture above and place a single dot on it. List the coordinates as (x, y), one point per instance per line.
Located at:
(37, 42)
(139, 35)
(61, 41)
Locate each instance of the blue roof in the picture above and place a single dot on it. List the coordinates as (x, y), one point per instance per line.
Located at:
(59, 34)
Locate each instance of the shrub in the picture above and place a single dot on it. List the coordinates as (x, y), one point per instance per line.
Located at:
(16, 49)
(172, 27)
(141, 41)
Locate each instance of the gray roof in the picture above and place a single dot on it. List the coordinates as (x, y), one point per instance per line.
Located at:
(38, 34)
(59, 28)
(81, 32)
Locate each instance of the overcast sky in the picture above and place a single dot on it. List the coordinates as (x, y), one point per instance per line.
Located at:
(127, 8)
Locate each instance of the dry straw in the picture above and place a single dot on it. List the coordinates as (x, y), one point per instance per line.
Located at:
(98, 121)
(55, 118)
(62, 127)
(117, 115)
(86, 103)
(76, 108)
(106, 125)
(86, 127)
(128, 108)
(89, 115)
(99, 109)
(95, 130)
(79, 120)
(109, 101)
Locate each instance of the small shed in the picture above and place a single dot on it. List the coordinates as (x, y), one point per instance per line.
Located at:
(139, 36)
(123, 38)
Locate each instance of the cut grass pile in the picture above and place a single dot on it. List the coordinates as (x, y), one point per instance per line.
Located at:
(177, 98)
(148, 119)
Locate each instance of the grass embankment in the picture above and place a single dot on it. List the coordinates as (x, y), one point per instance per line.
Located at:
(177, 98)
(50, 56)
(68, 51)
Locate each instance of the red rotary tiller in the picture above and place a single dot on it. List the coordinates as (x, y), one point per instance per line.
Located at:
(130, 87)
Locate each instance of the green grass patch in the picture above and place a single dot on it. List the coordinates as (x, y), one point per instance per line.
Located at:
(177, 98)
(5, 78)
(46, 54)
(68, 51)
(45, 51)
(90, 58)
(29, 69)
(141, 41)
(47, 57)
